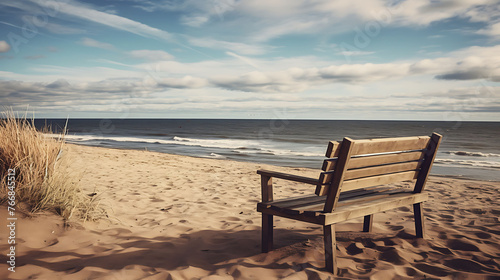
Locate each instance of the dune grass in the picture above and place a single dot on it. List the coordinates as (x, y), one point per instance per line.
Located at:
(43, 179)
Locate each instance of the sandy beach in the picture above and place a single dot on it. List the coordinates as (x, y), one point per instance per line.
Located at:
(179, 217)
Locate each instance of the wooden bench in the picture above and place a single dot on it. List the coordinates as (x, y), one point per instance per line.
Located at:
(355, 182)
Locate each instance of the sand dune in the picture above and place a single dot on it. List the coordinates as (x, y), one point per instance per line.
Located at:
(177, 217)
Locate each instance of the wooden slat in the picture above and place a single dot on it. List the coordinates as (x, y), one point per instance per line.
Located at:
(323, 185)
(297, 211)
(333, 149)
(353, 210)
(325, 178)
(313, 213)
(359, 162)
(357, 197)
(381, 170)
(353, 194)
(296, 202)
(359, 192)
(317, 208)
(287, 199)
(329, 164)
(371, 207)
(321, 189)
(301, 204)
(364, 161)
(384, 145)
(379, 180)
(369, 197)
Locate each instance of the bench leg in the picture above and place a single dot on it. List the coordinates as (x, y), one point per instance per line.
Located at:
(367, 223)
(267, 233)
(419, 219)
(330, 248)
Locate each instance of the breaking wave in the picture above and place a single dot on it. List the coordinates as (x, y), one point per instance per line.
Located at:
(235, 145)
(472, 154)
(473, 163)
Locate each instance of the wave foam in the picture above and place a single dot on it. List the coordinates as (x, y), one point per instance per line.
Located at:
(216, 143)
(472, 154)
(475, 163)
(235, 145)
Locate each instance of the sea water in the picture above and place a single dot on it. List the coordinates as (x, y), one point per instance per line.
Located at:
(468, 149)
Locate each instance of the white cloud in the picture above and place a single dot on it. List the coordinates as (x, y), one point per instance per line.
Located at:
(34, 57)
(280, 75)
(61, 29)
(4, 47)
(44, 73)
(23, 5)
(493, 30)
(152, 55)
(194, 21)
(96, 44)
(184, 82)
(238, 47)
(297, 26)
(133, 96)
(198, 13)
(484, 13)
(355, 53)
(474, 63)
(75, 9)
(423, 13)
(264, 20)
(299, 79)
(244, 59)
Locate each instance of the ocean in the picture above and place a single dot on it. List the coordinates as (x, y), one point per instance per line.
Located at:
(469, 149)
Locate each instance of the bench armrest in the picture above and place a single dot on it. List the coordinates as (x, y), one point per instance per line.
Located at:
(267, 183)
(288, 177)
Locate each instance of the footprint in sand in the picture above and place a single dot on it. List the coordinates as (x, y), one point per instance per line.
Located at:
(406, 271)
(461, 245)
(483, 235)
(434, 270)
(392, 256)
(447, 217)
(353, 249)
(443, 235)
(464, 265)
(442, 250)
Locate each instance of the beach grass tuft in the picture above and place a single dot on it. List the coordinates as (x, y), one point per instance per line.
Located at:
(43, 179)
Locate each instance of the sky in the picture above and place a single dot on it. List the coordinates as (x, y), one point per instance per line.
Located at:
(259, 59)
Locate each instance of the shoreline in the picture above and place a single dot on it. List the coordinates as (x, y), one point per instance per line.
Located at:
(459, 177)
(189, 217)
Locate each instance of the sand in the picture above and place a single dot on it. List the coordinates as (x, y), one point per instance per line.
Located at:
(178, 217)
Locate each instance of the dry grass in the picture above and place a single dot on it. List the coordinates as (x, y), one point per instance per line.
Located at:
(43, 178)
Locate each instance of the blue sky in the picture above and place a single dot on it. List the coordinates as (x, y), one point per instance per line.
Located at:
(392, 60)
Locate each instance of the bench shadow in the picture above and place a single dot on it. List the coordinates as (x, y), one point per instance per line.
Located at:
(208, 249)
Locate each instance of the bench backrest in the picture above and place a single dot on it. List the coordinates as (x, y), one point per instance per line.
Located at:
(354, 164)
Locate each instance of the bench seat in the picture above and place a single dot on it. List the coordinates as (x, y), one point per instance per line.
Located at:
(353, 204)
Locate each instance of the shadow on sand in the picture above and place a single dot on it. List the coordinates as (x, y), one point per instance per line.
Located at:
(208, 249)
